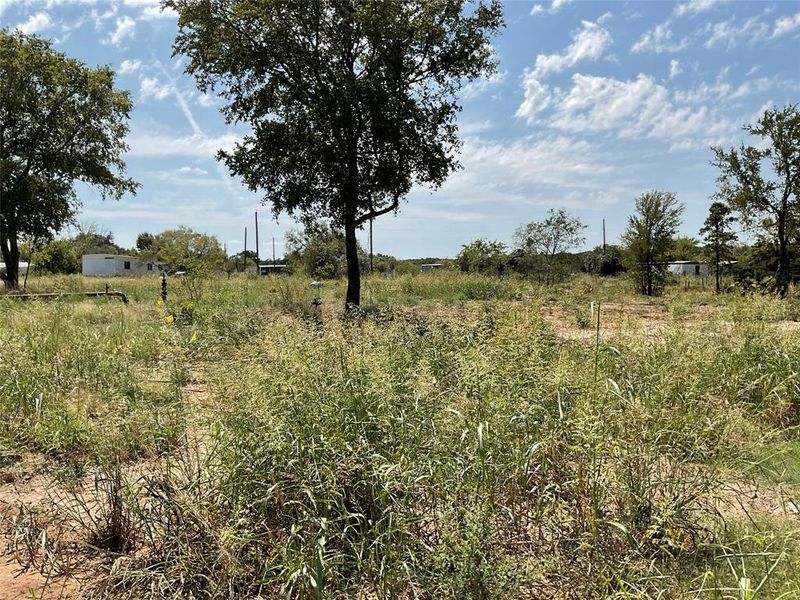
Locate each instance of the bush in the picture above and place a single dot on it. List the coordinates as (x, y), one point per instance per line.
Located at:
(482, 256)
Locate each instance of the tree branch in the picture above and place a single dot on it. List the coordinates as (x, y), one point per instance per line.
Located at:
(377, 213)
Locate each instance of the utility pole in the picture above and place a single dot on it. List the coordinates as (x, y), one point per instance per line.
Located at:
(244, 252)
(604, 236)
(258, 259)
(370, 247)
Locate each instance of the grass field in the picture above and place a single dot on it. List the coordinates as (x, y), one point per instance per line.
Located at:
(465, 437)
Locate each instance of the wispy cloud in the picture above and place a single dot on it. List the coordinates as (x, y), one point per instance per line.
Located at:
(37, 22)
(125, 29)
(659, 39)
(694, 7)
(786, 25)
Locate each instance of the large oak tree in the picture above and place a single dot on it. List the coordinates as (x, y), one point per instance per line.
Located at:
(350, 102)
(60, 122)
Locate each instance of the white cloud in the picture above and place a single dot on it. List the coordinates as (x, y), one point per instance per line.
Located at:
(521, 171)
(674, 68)
(753, 70)
(130, 66)
(588, 43)
(152, 87)
(187, 170)
(100, 18)
(156, 12)
(694, 7)
(4, 4)
(658, 40)
(125, 28)
(479, 86)
(765, 84)
(537, 98)
(727, 33)
(474, 127)
(638, 109)
(36, 22)
(164, 144)
(206, 100)
(557, 5)
(786, 25)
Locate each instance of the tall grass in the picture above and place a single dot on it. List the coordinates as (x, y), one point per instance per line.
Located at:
(450, 443)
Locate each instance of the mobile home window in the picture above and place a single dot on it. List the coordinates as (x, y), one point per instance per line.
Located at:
(127, 265)
(149, 266)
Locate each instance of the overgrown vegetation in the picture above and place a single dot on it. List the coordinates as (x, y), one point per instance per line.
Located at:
(463, 436)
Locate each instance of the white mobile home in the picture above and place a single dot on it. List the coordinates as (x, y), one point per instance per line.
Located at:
(117, 264)
(688, 268)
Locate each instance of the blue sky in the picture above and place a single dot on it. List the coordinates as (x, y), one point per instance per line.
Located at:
(593, 104)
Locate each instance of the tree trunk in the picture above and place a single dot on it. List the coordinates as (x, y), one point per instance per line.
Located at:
(717, 269)
(353, 298)
(782, 273)
(10, 250)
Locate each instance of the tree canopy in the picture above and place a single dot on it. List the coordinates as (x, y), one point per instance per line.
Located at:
(767, 202)
(718, 236)
(60, 122)
(184, 249)
(547, 239)
(482, 256)
(351, 103)
(649, 237)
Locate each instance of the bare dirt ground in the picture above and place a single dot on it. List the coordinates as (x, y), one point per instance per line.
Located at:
(25, 484)
(31, 564)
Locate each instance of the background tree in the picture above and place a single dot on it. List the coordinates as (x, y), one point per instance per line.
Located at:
(244, 261)
(604, 262)
(319, 251)
(649, 237)
(57, 257)
(60, 122)
(91, 240)
(685, 248)
(769, 203)
(482, 256)
(351, 103)
(184, 249)
(547, 239)
(718, 236)
(145, 242)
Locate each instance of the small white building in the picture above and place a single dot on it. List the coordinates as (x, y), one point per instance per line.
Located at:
(117, 264)
(430, 267)
(688, 268)
(270, 269)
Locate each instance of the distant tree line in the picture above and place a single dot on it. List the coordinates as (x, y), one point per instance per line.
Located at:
(758, 188)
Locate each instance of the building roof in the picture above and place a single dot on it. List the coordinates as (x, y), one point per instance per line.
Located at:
(684, 262)
(113, 255)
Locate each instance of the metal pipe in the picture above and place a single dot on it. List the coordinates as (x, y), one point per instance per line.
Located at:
(55, 296)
